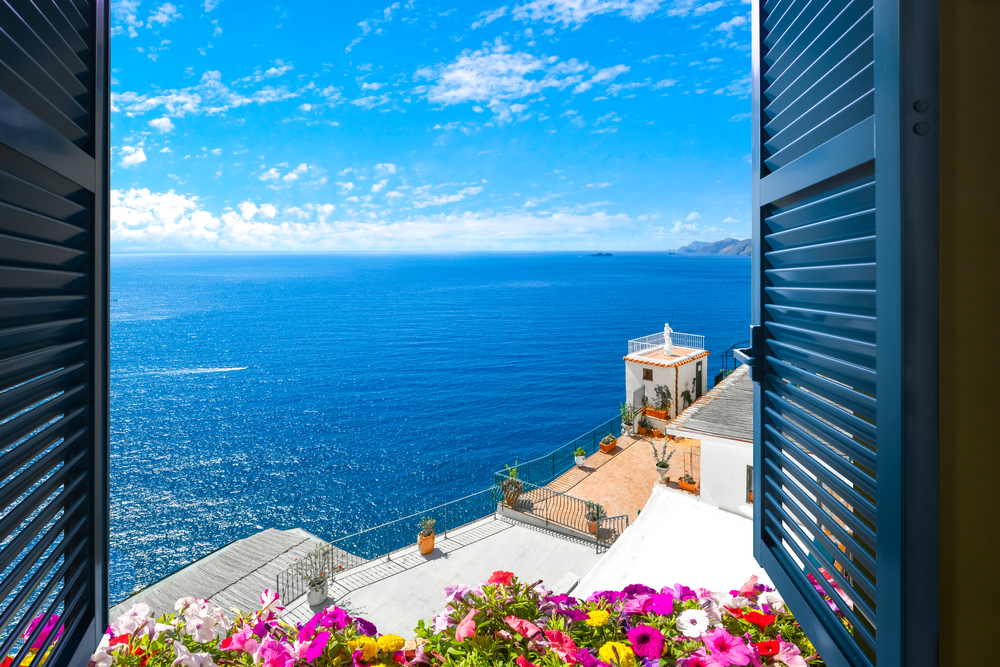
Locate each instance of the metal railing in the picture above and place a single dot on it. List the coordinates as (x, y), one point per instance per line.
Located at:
(548, 468)
(351, 551)
(728, 360)
(558, 509)
(655, 341)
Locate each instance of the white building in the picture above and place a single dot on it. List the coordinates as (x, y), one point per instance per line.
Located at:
(666, 364)
(722, 421)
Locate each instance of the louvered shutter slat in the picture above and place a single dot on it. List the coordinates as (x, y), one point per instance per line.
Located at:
(53, 323)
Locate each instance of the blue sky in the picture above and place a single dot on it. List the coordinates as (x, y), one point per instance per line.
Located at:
(429, 125)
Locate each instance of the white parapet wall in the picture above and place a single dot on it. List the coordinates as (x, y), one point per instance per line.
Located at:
(724, 474)
(678, 538)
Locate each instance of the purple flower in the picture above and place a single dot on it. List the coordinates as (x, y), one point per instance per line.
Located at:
(637, 589)
(586, 659)
(51, 623)
(574, 614)
(366, 627)
(452, 593)
(561, 600)
(647, 641)
(608, 596)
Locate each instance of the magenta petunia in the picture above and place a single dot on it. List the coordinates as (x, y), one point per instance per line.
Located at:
(647, 641)
(661, 604)
(727, 649)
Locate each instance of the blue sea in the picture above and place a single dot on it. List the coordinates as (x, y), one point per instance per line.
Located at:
(335, 392)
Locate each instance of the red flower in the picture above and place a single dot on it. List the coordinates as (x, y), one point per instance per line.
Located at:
(758, 619)
(768, 648)
(120, 639)
(501, 577)
(738, 612)
(6, 661)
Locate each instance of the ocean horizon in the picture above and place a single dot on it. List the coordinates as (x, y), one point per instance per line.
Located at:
(337, 391)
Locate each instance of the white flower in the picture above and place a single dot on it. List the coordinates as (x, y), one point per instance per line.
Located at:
(692, 623)
(189, 659)
(182, 605)
(201, 628)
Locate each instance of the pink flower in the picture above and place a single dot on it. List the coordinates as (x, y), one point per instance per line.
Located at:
(749, 590)
(661, 604)
(562, 645)
(698, 659)
(680, 592)
(647, 641)
(523, 662)
(638, 605)
(467, 626)
(272, 654)
(790, 655)
(727, 649)
(241, 641)
(526, 628)
(51, 623)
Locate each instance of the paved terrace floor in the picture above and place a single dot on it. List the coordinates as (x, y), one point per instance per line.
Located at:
(622, 481)
(395, 594)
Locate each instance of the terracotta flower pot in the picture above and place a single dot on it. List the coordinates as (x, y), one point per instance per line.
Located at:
(643, 430)
(609, 447)
(687, 487)
(656, 433)
(658, 414)
(426, 543)
(592, 527)
(511, 497)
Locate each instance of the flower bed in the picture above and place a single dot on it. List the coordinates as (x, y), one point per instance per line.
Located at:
(502, 621)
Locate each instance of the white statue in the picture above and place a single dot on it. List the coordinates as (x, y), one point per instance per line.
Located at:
(668, 345)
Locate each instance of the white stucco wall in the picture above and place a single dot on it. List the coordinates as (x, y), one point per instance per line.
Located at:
(677, 538)
(661, 375)
(724, 474)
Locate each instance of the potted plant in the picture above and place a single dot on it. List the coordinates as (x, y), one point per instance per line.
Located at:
(314, 568)
(628, 417)
(593, 512)
(663, 400)
(425, 538)
(657, 433)
(645, 428)
(511, 486)
(687, 483)
(662, 459)
(608, 443)
(579, 456)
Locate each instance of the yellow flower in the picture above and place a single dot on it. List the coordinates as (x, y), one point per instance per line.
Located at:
(367, 646)
(617, 653)
(598, 617)
(391, 643)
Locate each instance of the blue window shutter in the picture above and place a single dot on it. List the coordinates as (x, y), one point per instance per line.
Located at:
(845, 310)
(54, 324)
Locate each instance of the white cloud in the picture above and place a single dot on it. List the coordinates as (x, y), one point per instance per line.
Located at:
(271, 174)
(693, 216)
(295, 173)
(166, 149)
(740, 116)
(598, 185)
(694, 7)
(372, 24)
(603, 76)
(730, 25)
(488, 17)
(132, 156)
(730, 219)
(381, 184)
(665, 83)
(345, 187)
(439, 200)
(209, 96)
(164, 15)
(343, 172)
(385, 168)
(496, 74)
(739, 88)
(145, 221)
(570, 12)
(574, 117)
(209, 5)
(162, 124)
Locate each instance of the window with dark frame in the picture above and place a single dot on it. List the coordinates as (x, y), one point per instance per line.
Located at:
(647, 374)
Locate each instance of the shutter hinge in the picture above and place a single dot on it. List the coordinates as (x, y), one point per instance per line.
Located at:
(753, 356)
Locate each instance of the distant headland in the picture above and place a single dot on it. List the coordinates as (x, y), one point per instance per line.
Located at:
(601, 254)
(729, 246)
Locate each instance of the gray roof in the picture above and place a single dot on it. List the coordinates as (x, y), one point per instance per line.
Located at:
(724, 412)
(233, 576)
